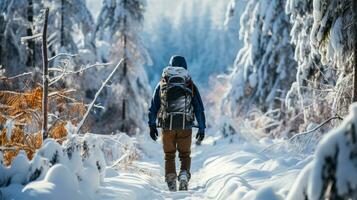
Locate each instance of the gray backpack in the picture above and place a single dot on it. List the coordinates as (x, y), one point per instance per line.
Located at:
(176, 92)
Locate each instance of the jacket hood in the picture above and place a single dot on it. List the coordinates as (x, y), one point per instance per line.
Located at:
(178, 61)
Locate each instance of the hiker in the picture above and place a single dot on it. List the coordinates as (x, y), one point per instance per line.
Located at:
(176, 103)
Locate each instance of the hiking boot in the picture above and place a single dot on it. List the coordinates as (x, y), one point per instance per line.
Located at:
(171, 182)
(183, 180)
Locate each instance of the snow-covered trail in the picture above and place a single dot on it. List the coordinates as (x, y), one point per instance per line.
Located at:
(220, 170)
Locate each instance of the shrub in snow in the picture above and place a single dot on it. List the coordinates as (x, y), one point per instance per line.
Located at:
(53, 151)
(119, 147)
(72, 148)
(38, 168)
(19, 169)
(333, 172)
(77, 167)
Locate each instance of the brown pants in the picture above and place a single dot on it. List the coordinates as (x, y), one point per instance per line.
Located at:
(177, 140)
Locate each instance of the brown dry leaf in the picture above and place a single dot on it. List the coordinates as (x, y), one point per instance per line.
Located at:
(59, 131)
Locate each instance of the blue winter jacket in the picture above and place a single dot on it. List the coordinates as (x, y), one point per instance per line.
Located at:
(197, 103)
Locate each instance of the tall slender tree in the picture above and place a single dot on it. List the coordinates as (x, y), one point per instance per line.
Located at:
(31, 58)
(118, 32)
(354, 11)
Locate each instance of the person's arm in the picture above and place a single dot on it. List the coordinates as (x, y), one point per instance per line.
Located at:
(155, 106)
(198, 108)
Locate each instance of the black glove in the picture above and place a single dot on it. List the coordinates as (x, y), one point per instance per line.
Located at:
(153, 133)
(200, 135)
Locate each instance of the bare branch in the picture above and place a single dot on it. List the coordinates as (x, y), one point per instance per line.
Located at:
(91, 66)
(62, 54)
(17, 76)
(316, 128)
(80, 124)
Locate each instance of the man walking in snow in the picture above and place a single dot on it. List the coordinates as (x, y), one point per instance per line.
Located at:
(176, 103)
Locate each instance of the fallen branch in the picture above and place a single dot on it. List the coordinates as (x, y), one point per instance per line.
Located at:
(80, 124)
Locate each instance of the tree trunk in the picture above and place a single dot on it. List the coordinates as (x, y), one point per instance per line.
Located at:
(2, 27)
(354, 35)
(45, 77)
(62, 23)
(31, 43)
(124, 107)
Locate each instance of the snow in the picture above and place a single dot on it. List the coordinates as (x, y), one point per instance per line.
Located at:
(9, 125)
(18, 170)
(231, 167)
(220, 170)
(59, 183)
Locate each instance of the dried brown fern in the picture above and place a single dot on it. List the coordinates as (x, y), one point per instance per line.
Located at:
(24, 108)
(59, 131)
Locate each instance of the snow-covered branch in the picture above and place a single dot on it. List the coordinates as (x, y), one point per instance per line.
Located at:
(316, 128)
(17, 76)
(96, 96)
(62, 54)
(30, 37)
(65, 72)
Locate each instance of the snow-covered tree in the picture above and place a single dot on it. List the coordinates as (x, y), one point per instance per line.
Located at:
(118, 36)
(323, 39)
(71, 26)
(264, 68)
(14, 26)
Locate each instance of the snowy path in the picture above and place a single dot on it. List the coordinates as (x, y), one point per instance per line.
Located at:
(220, 170)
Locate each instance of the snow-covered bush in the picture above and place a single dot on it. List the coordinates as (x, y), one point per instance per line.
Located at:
(80, 160)
(119, 149)
(333, 172)
(59, 183)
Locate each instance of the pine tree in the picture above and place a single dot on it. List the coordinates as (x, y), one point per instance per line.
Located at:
(14, 27)
(264, 68)
(31, 57)
(118, 32)
(69, 19)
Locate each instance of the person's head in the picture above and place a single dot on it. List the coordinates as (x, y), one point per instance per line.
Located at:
(178, 61)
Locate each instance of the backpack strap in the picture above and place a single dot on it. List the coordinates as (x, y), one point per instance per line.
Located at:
(191, 85)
